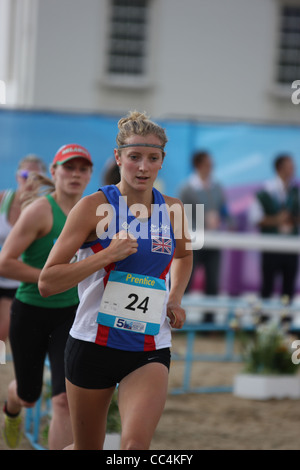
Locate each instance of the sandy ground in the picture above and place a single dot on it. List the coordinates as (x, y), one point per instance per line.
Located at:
(210, 421)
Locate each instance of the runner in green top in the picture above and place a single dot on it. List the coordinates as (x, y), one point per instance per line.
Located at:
(39, 326)
(36, 255)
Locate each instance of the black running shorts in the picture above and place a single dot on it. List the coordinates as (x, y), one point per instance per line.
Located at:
(7, 292)
(89, 365)
(36, 332)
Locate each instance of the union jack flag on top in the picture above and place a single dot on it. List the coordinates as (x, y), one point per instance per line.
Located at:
(161, 245)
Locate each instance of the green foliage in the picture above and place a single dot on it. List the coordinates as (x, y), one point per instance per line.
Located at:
(267, 352)
(113, 418)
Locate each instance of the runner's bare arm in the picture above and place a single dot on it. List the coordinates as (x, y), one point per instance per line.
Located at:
(58, 274)
(33, 222)
(181, 267)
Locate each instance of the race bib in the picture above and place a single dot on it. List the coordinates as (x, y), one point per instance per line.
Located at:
(132, 302)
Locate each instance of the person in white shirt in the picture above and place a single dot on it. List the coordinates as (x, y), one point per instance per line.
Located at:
(201, 188)
(276, 210)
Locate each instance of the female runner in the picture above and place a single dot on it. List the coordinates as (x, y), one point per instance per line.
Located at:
(131, 243)
(39, 326)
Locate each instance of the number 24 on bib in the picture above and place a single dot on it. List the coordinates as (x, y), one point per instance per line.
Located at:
(133, 302)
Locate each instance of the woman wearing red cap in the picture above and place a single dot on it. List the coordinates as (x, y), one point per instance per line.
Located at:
(130, 241)
(40, 326)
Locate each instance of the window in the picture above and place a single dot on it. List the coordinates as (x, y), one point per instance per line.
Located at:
(127, 48)
(288, 68)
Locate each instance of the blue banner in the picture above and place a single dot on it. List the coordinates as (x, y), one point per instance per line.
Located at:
(243, 154)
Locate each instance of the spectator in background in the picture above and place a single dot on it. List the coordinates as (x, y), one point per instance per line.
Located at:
(200, 188)
(10, 209)
(276, 210)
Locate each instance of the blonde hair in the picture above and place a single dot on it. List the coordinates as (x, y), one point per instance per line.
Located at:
(32, 158)
(136, 123)
(37, 185)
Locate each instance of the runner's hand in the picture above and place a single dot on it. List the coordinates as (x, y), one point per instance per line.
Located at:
(122, 245)
(176, 314)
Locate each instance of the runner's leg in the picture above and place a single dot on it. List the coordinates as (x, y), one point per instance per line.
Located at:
(88, 410)
(142, 397)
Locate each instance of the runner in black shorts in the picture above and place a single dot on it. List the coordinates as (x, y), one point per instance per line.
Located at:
(122, 330)
(39, 326)
(30, 346)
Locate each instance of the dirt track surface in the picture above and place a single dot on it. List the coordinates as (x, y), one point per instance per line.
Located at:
(210, 421)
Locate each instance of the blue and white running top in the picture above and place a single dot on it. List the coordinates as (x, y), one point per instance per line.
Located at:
(133, 292)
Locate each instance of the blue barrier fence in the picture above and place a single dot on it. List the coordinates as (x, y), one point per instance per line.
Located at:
(231, 315)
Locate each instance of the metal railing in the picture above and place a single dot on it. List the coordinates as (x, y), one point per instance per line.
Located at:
(234, 314)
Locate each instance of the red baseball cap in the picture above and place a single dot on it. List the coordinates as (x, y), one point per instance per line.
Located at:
(70, 151)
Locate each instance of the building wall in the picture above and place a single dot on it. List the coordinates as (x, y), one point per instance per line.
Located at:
(210, 59)
(223, 58)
